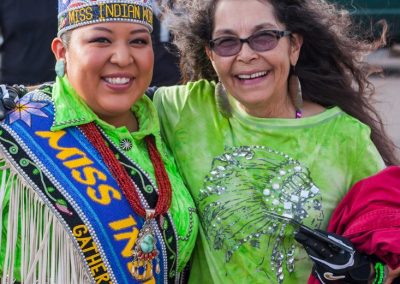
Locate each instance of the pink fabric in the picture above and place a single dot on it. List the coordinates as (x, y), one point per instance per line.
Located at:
(369, 216)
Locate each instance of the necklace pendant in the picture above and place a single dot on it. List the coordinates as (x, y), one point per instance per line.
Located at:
(145, 251)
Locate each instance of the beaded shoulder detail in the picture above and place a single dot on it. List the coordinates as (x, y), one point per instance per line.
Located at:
(43, 93)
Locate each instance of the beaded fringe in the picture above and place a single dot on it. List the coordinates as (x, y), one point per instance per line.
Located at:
(48, 255)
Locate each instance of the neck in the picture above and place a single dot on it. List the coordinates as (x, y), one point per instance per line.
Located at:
(282, 109)
(128, 120)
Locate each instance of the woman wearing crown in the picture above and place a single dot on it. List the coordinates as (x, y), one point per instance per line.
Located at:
(89, 193)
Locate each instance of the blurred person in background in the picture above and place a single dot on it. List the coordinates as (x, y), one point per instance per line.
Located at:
(166, 59)
(27, 29)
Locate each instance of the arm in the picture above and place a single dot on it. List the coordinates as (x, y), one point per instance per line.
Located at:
(332, 264)
(9, 94)
(169, 102)
(392, 275)
(369, 217)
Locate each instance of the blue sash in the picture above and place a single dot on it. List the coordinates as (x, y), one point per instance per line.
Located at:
(69, 175)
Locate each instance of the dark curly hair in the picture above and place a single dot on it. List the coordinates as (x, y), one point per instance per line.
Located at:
(330, 67)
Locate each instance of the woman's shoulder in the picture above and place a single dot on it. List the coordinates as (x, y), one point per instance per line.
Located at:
(180, 94)
(31, 106)
(335, 115)
(350, 123)
(196, 88)
(39, 94)
(333, 124)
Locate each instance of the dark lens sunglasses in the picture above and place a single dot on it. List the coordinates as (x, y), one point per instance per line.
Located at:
(260, 41)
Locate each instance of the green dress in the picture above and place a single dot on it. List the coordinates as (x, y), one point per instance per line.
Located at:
(71, 110)
(239, 169)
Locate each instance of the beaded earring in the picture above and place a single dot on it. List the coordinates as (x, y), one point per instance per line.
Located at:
(60, 68)
(222, 100)
(295, 90)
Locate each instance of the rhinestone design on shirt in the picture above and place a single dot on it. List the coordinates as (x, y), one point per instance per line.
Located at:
(243, 185)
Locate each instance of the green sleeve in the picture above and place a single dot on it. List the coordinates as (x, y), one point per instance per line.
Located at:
(185, 218)
(169, 102)
(366, 161)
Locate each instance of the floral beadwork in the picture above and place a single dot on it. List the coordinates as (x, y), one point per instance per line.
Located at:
(24, 110)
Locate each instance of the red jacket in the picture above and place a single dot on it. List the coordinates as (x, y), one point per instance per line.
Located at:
(369, 216)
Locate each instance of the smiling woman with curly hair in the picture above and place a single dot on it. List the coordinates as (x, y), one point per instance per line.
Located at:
(274, 117)
(89, 193)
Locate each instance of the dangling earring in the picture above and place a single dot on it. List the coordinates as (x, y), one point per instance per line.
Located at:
(295, 90)
(60, 68)
(222, 100)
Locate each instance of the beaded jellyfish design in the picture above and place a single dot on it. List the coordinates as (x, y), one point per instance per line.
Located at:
(243, 186)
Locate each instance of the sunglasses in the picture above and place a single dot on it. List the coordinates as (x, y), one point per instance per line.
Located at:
(261, 41)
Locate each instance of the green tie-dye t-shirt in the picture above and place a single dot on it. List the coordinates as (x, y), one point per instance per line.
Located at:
(239, 169)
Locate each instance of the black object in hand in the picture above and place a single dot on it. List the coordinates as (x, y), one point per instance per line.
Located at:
(8, 96)
(334, 257)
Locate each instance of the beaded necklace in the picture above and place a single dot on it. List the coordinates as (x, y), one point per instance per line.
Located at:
(299, 113)
(145, 249)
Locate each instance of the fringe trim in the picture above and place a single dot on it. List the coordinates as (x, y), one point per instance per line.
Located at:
(48, 255)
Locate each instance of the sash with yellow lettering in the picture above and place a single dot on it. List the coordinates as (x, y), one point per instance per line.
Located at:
(67, 172)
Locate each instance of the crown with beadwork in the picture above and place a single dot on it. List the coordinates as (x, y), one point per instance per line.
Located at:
(77, 13)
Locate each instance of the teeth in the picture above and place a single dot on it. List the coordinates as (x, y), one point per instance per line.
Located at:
(252, 76)
(117, 81)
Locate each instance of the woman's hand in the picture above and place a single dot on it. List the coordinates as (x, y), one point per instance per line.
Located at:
(334, 258)
(392, 274)
(8, 96)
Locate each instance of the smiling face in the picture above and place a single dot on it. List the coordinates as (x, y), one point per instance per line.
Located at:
(258, 80)
(110, 66)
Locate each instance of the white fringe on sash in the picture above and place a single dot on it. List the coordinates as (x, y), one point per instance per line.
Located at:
(47, 252)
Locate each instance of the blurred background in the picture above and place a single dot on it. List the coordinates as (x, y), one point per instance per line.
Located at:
(367, 14)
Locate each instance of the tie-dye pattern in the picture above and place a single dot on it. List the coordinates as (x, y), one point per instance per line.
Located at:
(239, 169)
